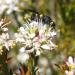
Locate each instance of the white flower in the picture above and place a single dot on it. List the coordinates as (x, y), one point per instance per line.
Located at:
(35, 36)
(5, 40)
(9, 6)
(22, 57)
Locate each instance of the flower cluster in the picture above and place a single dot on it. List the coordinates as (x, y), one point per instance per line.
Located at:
(34, 37)
(31, 40)
(71, 64)
(5, 40)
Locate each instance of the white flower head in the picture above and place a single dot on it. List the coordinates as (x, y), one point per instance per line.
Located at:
(34, 35)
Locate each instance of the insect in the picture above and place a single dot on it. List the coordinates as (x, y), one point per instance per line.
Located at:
(47, 20)
(36, 16)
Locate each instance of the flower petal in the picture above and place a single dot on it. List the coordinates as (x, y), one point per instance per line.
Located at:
(45, 47)
(70, 60)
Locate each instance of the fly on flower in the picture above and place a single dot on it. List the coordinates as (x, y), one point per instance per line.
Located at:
(36, 16)
(36, 34)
